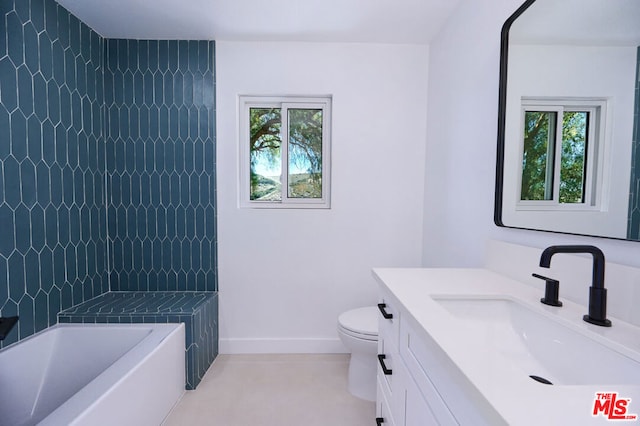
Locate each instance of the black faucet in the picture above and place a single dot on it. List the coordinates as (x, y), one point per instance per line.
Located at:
(597, 293)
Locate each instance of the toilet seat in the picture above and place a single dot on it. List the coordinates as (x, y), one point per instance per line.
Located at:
(357, 336)
(361, 323)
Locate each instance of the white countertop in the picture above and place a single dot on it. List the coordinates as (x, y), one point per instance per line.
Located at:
(516, 397)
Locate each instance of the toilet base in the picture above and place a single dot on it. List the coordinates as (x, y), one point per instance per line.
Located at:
(362, 376)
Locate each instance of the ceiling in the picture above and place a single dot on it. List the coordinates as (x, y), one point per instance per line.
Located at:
(361, 21)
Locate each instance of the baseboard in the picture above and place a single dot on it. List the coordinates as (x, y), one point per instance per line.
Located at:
(281, 346)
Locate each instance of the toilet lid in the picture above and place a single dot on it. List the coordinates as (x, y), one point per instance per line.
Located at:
(361, 321)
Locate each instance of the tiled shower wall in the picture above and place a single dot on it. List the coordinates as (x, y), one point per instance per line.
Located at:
(58, 116)
(633, 229)
(160, 149)
(52, 211)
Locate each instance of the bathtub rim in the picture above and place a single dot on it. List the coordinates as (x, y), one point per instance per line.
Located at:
(118, 372)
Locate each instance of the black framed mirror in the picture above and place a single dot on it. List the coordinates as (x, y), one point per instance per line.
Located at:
(569, 109)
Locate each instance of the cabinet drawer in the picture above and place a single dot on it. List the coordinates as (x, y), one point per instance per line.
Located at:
(389, 359)
(391, 385)
(419, 361)
(383, 408)
(389, 327)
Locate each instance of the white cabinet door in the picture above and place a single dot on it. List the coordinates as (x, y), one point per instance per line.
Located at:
(417, 411)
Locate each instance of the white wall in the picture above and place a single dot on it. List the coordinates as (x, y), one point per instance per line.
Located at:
(461, 133)
(285, 275)
(461, 144)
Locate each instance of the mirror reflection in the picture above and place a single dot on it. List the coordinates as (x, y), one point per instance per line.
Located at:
(569, 107)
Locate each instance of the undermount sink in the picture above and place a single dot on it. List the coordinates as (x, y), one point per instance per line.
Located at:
(540, 345)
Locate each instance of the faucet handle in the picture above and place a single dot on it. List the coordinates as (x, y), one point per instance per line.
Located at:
(551, 290)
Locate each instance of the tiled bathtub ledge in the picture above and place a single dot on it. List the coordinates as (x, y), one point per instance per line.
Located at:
(197, 310)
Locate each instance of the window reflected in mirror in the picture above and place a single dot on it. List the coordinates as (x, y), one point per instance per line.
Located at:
(559, 152)
(568, 156)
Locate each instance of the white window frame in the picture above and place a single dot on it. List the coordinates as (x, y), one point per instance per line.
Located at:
(594, 192)
(284, 102)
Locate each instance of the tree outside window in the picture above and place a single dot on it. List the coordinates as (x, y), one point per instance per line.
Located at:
(559, 153)
(288, 147)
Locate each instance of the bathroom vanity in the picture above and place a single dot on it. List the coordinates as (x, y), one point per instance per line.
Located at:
(470, 346)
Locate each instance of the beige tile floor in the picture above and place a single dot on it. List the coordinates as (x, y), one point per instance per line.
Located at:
(274, 390)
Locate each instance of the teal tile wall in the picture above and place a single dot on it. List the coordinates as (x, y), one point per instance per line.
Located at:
(52, 211)
(160, 130)
(633, 228)
(77, 111)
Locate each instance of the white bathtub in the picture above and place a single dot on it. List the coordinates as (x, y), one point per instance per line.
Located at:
(93, 374)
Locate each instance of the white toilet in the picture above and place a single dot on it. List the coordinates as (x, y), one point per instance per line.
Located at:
(358, 330)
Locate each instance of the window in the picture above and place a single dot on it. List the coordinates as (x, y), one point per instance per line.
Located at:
(561, 144)
(285, 152)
